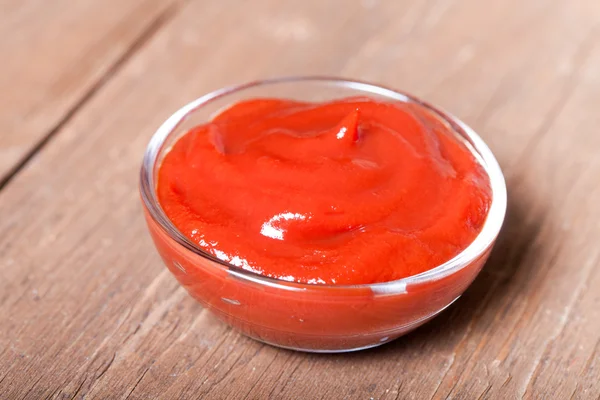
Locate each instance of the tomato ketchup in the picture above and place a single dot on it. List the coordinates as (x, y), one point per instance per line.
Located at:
(351, 191)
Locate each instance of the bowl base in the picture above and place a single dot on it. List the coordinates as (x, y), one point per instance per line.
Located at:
(326, 351)
(372, 341)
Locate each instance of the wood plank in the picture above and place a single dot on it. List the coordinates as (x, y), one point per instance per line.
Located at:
(55, 54)
(86, 307)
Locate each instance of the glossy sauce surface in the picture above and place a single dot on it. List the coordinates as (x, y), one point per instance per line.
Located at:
(351, 191)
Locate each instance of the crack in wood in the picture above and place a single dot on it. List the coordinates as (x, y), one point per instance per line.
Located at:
(289, 378)
(54, 395)
(485, 392)
(5, 375)
(78, 389)
(135, 46)
(398, 391)
(506, 381)
(279, 377)
(138, 381)
(258, 379)
(106, 367)
(591, 358)
(224, 375)
(32, 387)
(212, 353)
(574, 391)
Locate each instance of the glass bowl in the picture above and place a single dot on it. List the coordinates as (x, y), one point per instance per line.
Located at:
(315, 318)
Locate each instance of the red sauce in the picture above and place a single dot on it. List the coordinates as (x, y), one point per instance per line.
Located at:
(352, 191)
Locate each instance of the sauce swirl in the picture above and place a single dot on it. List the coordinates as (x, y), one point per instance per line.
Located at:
(351, 191)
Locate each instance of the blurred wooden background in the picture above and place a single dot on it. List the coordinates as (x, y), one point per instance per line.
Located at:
(88, 310)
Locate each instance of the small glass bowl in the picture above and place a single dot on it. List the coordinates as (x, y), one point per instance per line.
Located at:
(315, 318)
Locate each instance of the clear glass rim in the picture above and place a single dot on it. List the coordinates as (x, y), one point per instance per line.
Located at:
(480, 244)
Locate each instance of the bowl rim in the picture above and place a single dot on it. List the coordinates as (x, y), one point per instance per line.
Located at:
(480, 150)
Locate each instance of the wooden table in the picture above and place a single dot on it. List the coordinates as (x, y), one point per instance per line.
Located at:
(88, 310)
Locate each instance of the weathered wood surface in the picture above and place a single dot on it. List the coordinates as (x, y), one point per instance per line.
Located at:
(55, 54)
(87, 309)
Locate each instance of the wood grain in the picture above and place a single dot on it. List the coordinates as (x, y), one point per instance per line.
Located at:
(55, 55)
(87, 309)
